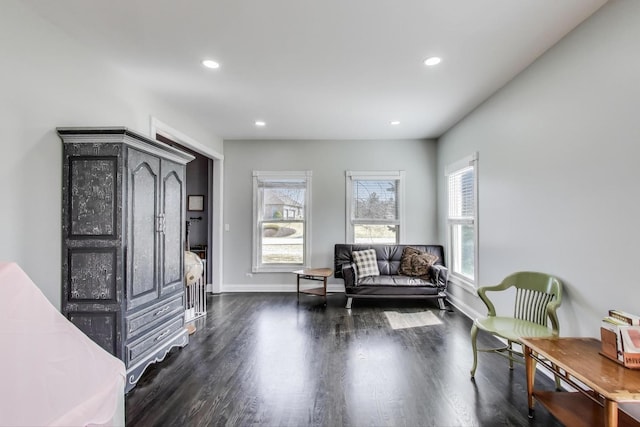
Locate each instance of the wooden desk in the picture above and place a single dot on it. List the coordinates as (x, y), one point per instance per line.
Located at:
(600, 383)
(318, 274)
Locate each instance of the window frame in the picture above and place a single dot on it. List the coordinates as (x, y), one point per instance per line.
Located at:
(470, 161)
(350, 177)
(262, 176)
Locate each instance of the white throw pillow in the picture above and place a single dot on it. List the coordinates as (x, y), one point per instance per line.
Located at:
(366, 263)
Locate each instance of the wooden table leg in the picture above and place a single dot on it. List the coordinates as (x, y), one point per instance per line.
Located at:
(325, 290)
(530, 367)
(610, 413)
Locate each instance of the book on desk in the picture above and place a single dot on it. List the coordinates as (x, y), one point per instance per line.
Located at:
(620, 337)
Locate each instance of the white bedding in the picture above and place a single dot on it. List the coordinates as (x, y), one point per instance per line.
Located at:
(51, 374)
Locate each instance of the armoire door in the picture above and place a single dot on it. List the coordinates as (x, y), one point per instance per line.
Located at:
(172, 237)
(144, 228)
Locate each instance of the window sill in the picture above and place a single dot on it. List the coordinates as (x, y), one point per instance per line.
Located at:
(464, 284)
(279, 269)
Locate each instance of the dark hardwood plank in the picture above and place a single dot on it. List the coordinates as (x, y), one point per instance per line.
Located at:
(267, 359)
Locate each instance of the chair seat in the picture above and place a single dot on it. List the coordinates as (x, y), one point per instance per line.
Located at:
(512, 329)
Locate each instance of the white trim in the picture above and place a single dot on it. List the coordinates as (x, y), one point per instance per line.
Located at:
(158, 127)
(466, 309)
(283, 174)
(462, 283)
(375, 174)
(466, 161)
(217, 225)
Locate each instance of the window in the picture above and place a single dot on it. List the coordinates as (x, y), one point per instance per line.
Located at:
(375, 211)
(462, 219)
(281, 217)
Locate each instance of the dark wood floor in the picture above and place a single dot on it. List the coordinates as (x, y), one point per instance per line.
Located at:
(267, 360)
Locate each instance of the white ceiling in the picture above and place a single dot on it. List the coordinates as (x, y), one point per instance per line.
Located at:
(319, 69)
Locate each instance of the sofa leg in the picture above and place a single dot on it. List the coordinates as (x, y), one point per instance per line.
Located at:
(349, 301)
(441, 304)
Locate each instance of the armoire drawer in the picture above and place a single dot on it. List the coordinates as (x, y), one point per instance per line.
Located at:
(150, 342)
(146, 319)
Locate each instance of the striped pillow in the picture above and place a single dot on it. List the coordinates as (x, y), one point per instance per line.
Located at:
(366, 263)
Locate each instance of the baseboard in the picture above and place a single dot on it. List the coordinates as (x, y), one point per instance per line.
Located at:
(289, 287)
(466, 309)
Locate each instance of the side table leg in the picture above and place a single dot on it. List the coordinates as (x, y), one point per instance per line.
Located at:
(325, 290)
(610, 413)
(530, 368)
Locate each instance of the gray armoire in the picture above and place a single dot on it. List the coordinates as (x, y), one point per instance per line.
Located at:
(123, 234)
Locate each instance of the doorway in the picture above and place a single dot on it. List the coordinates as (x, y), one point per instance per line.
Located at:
(204, 201)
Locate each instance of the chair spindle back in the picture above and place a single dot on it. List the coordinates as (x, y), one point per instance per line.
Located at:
(531, 305)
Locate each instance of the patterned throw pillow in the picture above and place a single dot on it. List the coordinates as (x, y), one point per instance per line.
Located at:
(405, 260)
(366, 263)
(416, 263)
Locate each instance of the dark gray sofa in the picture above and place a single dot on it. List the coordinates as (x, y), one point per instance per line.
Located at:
(390, 284)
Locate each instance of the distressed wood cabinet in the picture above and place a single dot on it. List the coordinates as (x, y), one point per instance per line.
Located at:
(123, 234)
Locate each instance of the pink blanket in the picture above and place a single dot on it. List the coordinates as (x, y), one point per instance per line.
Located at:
(50, 372)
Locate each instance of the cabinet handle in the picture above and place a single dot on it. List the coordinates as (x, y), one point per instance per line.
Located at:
(162, 310)
(162, 335)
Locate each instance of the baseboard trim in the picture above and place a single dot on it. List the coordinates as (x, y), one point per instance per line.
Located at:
(466, 309)
(289, 287)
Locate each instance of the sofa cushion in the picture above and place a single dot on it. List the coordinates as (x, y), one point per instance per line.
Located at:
(390, 286)
(384, 280)
(366, 263)
(415, 263)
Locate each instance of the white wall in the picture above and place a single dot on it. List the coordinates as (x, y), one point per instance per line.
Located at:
(49, 80)
(328, 160)
(559, 148)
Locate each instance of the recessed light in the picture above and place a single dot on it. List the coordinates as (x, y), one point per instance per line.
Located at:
(434, 60)
(260, 123)
(210, 64)
(395, 123)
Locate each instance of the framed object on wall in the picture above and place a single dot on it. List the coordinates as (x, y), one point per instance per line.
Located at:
(195, 203)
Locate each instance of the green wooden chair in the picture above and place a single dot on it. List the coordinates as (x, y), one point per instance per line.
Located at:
(537, 296)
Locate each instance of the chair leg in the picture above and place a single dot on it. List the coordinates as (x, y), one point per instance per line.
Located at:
(557, 377)
(349, 301)
(474, 336)
(510, 355)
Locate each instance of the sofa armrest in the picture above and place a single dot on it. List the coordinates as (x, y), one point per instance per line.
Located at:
(349, 275)
(440, 276)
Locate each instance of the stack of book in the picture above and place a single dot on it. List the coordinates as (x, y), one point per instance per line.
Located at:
(620, 336)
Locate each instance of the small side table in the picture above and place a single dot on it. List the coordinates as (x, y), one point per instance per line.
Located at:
(317, 274)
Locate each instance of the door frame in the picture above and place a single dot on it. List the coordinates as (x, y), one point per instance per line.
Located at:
(216, 211)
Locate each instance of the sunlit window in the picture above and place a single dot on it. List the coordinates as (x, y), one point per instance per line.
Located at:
(462, 219)
(281, 209)
(374, 207)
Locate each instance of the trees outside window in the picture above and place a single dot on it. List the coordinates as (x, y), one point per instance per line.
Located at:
(374, 207)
